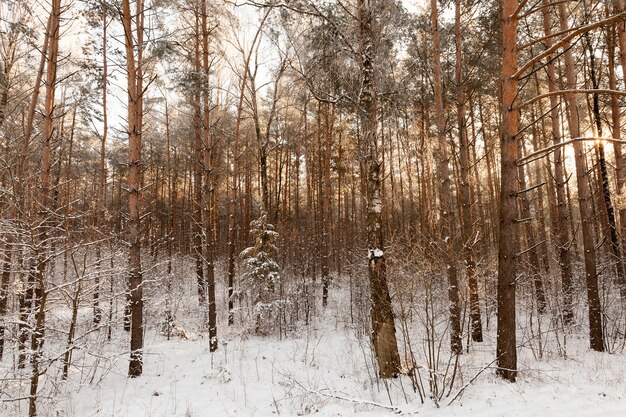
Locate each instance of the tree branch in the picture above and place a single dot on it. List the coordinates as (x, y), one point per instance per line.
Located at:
(581, 30)
(549, 149)
(563, 92)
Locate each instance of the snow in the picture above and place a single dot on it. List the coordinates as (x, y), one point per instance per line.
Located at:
(322, 372)
(323, 369)
(377, 206)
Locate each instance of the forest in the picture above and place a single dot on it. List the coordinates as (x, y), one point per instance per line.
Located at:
(299, 207)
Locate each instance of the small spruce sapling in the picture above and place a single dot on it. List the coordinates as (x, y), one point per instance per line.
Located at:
(262, 273)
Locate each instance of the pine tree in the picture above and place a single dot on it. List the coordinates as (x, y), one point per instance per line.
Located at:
(262, 273)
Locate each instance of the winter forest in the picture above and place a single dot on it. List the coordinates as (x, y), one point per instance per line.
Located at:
(312, 207)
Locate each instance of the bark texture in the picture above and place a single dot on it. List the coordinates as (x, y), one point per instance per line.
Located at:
(506, 349)
(383, 327)
(135, 112)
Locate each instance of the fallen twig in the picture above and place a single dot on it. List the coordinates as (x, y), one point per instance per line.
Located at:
(333, 394)
(458, 394)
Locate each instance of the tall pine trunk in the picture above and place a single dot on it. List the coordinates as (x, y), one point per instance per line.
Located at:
(506, 349)
(584, 194)
(135, 111)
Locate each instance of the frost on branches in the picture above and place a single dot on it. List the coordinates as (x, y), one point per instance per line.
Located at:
(261, 278)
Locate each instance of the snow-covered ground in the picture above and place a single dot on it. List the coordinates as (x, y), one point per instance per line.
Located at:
(323, 372)
(323, 369)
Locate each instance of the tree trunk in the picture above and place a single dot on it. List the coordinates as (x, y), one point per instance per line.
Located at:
(208, 187)
(383, 327)
(172, 190)
(4, 293)
(616, 250)
(561, 216)
(197, 177)
(467, 235)
(530, 234)
(325, 192)
(67, 357)
(135, 112)
(617, 134)
(43, 243)
(620, 159)
(506, 349)
(232, 209)
(584, 195)
(101, 195)
(445, 192)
